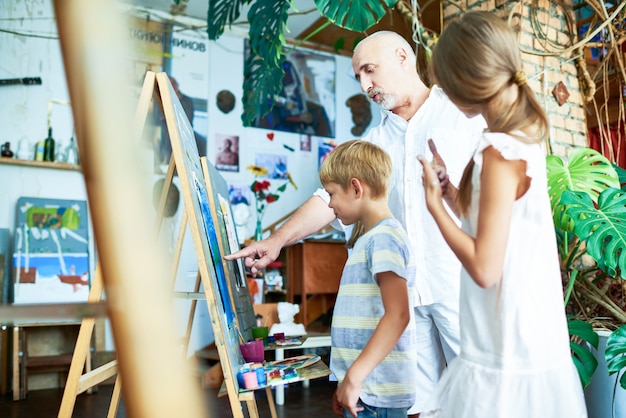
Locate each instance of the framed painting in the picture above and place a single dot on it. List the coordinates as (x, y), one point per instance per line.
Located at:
(306, 102)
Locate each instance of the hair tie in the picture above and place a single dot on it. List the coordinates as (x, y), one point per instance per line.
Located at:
(520, 78)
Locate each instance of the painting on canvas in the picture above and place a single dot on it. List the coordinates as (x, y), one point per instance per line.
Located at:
(51, 251)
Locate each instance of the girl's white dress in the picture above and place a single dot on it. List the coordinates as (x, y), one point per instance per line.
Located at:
(515, 359)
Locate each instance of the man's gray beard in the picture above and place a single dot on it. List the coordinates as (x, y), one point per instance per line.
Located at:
(388, 101)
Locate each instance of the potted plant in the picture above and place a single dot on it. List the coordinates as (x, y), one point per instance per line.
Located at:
(589, 210)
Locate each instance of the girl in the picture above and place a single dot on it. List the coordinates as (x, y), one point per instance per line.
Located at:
(515, 359)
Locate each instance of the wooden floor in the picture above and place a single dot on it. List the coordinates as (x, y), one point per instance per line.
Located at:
(311, 402)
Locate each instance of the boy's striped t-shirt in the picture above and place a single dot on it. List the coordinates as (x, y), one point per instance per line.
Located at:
(359, 308)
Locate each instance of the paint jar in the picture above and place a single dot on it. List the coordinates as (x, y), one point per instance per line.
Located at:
(250, 380)
(260, 374)
(260, 333)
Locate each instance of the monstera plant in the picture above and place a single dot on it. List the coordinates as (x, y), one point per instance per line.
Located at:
(589, 208)
(263, 68)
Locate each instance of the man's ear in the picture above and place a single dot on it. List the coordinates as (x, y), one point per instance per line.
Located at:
(401, 55)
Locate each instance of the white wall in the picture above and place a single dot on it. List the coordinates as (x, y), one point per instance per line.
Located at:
(29, 48)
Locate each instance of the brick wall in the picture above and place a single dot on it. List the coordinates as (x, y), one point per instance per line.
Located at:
(543, 27)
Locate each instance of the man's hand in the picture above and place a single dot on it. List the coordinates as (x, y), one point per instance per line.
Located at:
(258, 254)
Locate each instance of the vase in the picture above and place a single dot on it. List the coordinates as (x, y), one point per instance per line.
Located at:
(258, 232)
(599, 396)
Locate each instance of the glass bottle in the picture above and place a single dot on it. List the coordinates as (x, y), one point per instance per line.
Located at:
(48, 147)
(71, 152)
(6, 150)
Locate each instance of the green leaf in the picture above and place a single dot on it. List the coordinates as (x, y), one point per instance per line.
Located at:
(222, 13)
(263, 72)
(585, 361)
(283, 187)
(355, 15)
(584, 331)
(602, 228)
(587, 170)
(621, 174)
(339, 44)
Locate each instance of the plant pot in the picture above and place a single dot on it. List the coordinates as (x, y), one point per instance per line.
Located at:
(599, 393)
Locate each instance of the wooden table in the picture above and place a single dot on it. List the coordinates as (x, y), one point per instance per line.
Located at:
(314, 268)
(25, 363)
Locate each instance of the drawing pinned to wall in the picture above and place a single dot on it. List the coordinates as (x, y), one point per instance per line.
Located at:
(275, 164)
(305, 142)
(239, 193)
(51, 251)
(306, 102)
(324, 148)
(227, 153)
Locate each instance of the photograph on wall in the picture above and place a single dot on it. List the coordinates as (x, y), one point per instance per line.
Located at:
(227, 152)
(306, 102)
(275, 164)
(51, 251)
(324, 148)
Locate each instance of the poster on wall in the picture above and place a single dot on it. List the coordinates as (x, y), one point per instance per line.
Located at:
(306, 102)
(183, 54)
(51, 251)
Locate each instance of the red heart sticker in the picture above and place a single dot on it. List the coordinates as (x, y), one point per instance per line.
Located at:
(270, 136)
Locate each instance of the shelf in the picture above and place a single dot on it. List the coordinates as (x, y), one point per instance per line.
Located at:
(39, 164)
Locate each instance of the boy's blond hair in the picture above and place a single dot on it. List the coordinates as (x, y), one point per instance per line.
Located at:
(361, 160)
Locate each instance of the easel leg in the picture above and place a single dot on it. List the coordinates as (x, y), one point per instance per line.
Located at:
(81, 357)
(115, 398)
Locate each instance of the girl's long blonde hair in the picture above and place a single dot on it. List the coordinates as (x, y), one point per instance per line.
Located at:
(475, 59)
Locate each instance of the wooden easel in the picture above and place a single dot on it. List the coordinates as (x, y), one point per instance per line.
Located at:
(200, 220)
(159, 85)
(157, 383)
(77, 382)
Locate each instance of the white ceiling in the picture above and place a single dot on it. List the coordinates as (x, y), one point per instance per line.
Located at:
(298, 21)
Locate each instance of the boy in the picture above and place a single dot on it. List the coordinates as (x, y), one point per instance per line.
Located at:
(372, 333)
